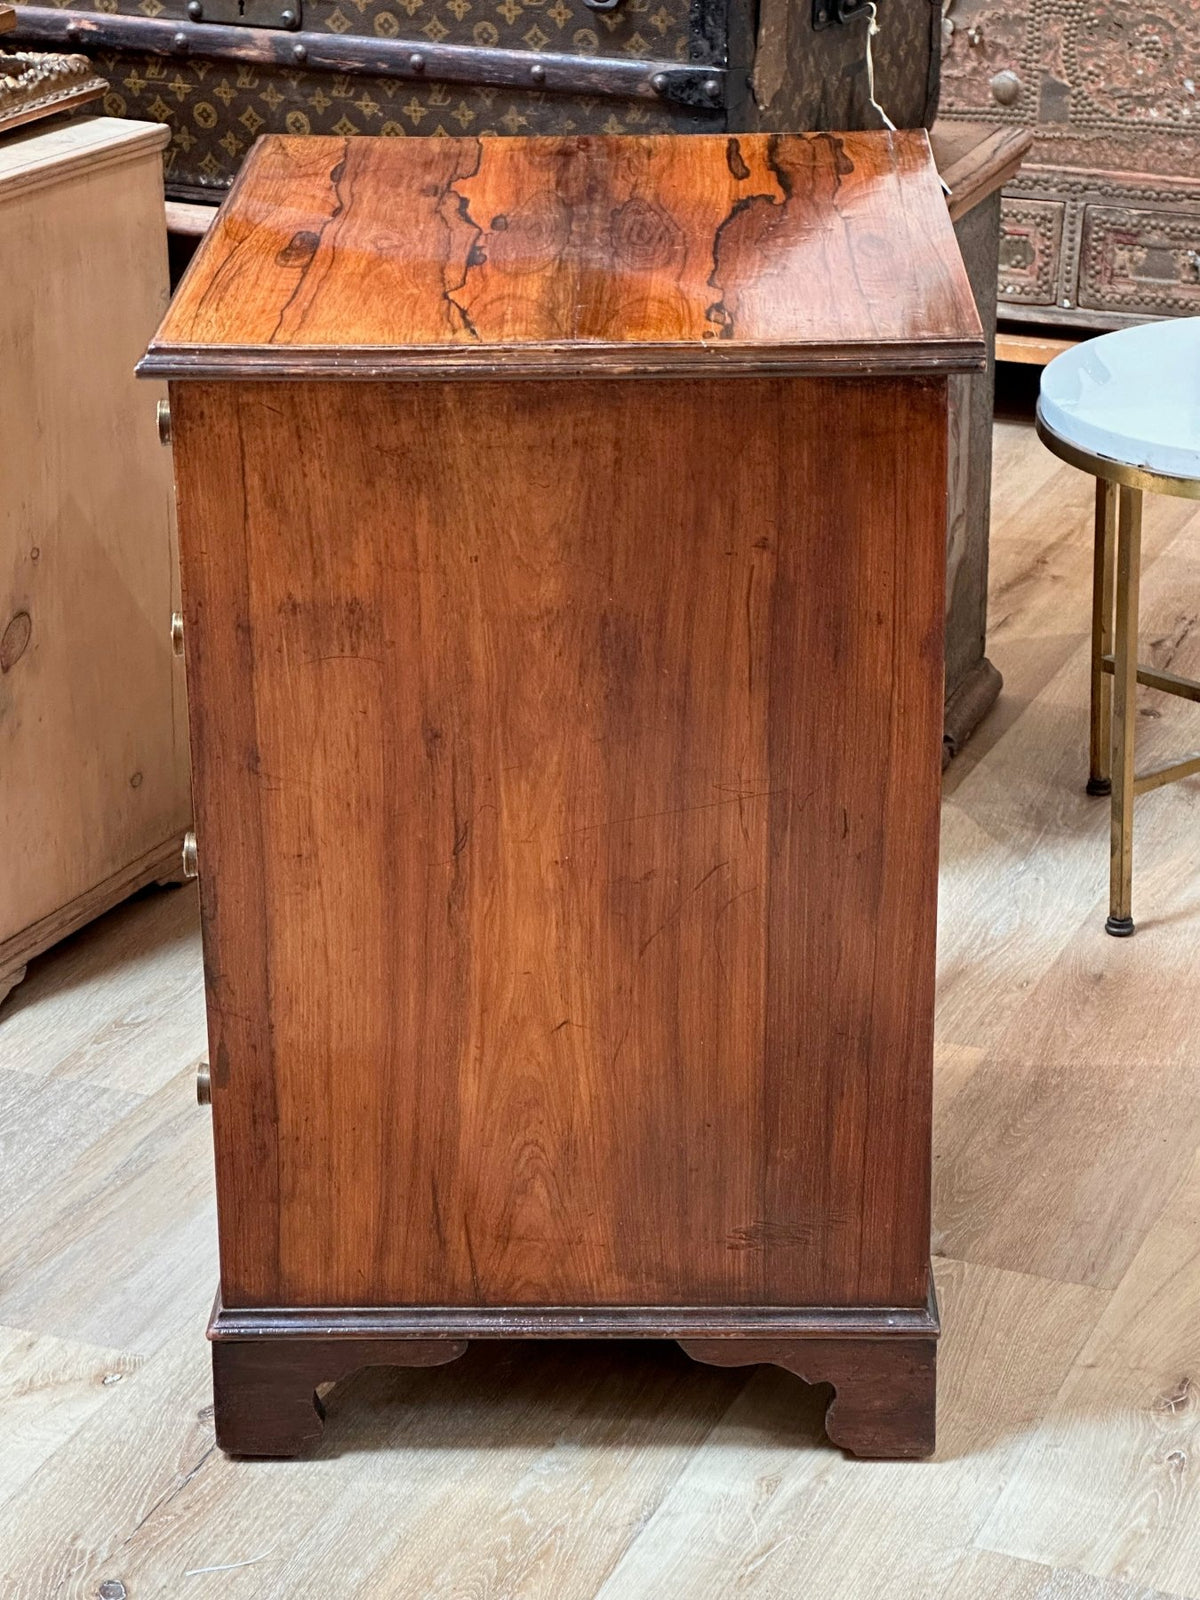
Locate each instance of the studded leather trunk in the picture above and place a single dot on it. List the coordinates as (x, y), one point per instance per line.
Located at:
(1102, 225)
(220, 72)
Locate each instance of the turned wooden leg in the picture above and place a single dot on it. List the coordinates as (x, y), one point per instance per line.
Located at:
(884, 1389)
(264, 1390)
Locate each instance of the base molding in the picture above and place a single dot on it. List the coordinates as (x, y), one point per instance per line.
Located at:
(884, 1401)
(159, 865)
(880, 1360)
(573, 1322)
(10, 979)
(967, 706)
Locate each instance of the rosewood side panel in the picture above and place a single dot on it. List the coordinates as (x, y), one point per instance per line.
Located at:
(464, 976)
(565, 654)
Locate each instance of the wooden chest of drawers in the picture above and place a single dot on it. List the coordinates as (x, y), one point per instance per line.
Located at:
(563, 588)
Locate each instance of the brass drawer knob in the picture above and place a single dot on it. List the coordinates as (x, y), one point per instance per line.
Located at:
(188, 856)
(203, 1085)
(177, 632)
(164, 422)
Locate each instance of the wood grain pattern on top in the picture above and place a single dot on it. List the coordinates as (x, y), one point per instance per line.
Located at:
(440, 257)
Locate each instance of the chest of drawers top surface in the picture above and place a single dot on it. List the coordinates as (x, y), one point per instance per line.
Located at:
(458, 257)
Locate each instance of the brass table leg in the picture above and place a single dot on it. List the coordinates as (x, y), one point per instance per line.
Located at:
(1100, 754)
(1124, 711)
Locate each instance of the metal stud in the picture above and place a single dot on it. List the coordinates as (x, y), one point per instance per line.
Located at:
(1006, 88)
(660, 83)
(538, 73)
(299, 54)
(712, 88)
(416, 62)
(180, 42)
(195, 10)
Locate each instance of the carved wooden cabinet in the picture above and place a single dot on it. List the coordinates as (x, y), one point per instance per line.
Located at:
(563, 529)
(1102, 225)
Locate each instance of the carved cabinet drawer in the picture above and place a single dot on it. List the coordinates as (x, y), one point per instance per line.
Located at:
(1140, 260)
(1030, 250)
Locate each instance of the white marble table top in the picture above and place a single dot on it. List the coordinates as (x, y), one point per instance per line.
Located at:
(1131, 396)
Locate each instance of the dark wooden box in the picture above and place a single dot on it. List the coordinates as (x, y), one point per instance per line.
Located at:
(221, 72)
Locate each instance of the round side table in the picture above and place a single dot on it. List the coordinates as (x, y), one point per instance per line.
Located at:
(1126, 408)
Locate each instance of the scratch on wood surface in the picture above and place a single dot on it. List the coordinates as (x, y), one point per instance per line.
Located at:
(229, 1566)
(675, 811)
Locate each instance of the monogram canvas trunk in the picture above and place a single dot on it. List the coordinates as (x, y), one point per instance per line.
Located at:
(221, 72)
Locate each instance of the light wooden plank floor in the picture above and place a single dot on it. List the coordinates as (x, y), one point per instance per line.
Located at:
(1067, 1232)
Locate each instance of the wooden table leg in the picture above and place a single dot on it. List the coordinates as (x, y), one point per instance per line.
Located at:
(884, 1401)
(264, 1390)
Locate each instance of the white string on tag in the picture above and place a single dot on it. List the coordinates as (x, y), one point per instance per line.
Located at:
(872, 30)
